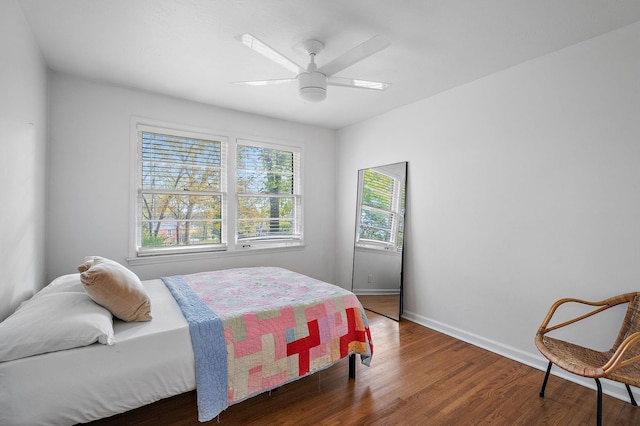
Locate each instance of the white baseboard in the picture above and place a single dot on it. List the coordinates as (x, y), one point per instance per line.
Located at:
(376, 291)
(614, 389)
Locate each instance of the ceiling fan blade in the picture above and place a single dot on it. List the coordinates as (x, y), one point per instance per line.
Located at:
(358, 53)
(263, 82)
(262, 48)
(360, 84)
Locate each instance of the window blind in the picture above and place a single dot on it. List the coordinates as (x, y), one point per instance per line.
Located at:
(181, 191)
(379, 209)
(268, 192)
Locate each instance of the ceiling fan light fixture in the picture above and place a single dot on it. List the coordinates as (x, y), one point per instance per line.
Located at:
(313, 94)
(312, 86)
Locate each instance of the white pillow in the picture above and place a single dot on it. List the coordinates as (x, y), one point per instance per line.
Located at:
(69, 282)
(58, 317)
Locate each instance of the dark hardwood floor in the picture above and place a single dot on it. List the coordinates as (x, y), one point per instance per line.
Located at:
(417, 377)
(387, 305)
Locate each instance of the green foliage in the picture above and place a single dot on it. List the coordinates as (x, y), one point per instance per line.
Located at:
(181, 180)
(266, 177)
(376, 218)
(182, 191)
(151, 240)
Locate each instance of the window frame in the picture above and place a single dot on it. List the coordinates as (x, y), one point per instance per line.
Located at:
(137, 191)
(297, 237)
(229, 213)
(396, 213)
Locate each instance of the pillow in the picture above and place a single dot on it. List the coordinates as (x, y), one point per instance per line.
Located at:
(69, 282)
(116, 288)
(53, 321)
(89, 261)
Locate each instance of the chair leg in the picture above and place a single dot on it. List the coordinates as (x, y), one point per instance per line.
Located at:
(633, 400)
(546, 377)
(599, 414)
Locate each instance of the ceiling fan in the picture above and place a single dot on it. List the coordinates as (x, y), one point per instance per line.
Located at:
(312, 80)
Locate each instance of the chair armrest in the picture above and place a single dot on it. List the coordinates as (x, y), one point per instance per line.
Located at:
(619, 358)
(602, 305)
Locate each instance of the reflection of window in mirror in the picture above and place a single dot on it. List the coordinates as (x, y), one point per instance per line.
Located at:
(380, 210)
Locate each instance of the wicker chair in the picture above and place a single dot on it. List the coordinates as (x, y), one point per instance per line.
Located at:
(621, 363)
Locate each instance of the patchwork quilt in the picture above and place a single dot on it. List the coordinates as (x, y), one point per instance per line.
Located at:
(278, 326)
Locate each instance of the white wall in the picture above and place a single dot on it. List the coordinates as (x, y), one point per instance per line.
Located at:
(523, 187)
(23, 149)
(90, 183)
(376, 271)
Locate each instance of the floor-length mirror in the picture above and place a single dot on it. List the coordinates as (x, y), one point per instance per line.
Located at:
(379, 238)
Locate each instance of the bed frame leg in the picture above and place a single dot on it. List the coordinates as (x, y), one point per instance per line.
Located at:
(352, 366)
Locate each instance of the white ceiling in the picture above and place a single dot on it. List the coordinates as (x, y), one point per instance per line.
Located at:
(186, 48)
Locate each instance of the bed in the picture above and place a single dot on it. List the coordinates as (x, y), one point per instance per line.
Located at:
(265, 339)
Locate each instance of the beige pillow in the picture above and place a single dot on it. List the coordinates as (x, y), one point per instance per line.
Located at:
(89, 261)
(116, 288)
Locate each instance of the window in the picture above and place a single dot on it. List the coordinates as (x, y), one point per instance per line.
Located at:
(268, 193)
(380, 210)
(181, 193)
(190, 196)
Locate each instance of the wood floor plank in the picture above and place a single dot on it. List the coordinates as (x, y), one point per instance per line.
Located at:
(418, 376)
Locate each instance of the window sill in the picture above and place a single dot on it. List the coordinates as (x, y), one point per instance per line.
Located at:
(377, 249)
(183, 257)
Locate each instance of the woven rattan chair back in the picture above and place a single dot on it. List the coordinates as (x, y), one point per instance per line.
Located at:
(630, 325)
(621, 363)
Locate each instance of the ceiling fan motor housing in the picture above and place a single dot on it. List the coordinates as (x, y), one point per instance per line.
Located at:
(312, 86)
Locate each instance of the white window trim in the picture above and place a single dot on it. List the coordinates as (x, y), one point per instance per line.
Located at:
(232, 248)
(390, 246)
(298, 193)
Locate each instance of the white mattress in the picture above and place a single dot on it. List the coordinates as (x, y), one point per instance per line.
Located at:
(150, 361)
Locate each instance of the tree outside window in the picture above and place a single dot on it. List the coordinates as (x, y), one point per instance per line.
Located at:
(268, 199)
(180, 191)
(182, 201)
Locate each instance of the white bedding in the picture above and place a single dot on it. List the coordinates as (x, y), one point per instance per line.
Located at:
(154, 360)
